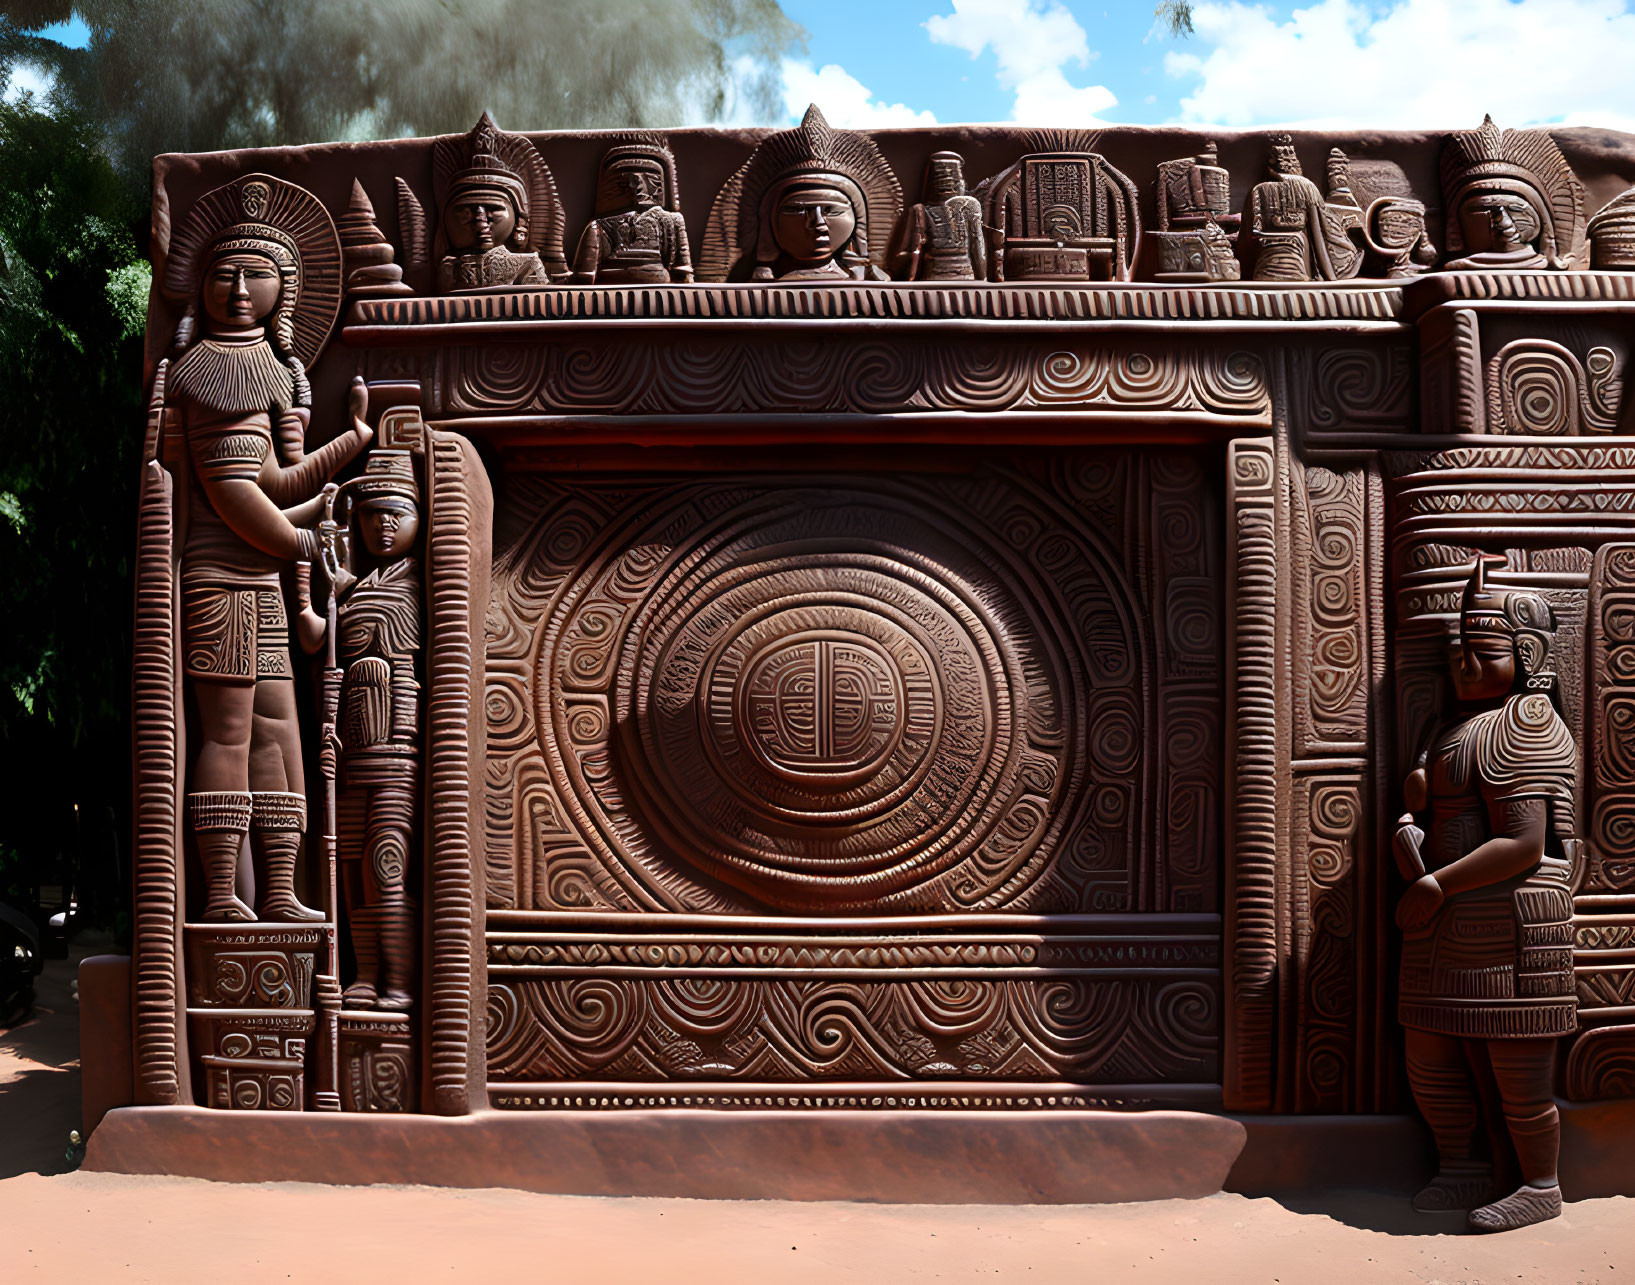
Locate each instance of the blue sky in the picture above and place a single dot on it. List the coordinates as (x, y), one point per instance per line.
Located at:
(1427, 64)
(885, 44)
(1324, 64)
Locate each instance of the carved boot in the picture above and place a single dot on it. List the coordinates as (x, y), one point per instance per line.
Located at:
(219, 820)
(397, 955)
(365, 927)
(1521, 1208)
(277, 821)
(1456, 1188)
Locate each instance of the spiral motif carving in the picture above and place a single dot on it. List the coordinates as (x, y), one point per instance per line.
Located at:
(837, 696)
(1539, 388)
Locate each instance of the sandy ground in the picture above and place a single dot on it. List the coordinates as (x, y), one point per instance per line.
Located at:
(57, 1225)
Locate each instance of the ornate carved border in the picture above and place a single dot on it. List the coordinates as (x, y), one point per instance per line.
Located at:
(1252, 877)
(158, 841)
(457, 560)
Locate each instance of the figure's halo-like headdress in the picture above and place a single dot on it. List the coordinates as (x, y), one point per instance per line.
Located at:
(508, 162)
(281, 220)
(732, 237)
(1526, 162)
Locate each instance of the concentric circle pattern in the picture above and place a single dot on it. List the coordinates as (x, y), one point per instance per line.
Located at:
(828, 698)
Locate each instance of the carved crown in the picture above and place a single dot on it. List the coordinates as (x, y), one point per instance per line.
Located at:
(1525, 161)
(735, 238)
(490, 157)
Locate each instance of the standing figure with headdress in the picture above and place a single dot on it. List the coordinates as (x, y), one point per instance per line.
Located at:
(638, 237)
(1512, 200)
(260, 261)
(377, 721)
(501, 221)
(942, 237)
(803, 208)
(1295, 232)
(1486, 988)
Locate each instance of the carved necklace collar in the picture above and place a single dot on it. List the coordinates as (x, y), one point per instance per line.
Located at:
(236, 378)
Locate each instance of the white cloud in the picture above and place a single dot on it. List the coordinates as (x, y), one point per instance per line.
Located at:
(29, 78)
(1032, 41)
(1422, 64)
(844, 100)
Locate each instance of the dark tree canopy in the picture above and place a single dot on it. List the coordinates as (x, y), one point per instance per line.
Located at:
(73, 295)
(212, 74)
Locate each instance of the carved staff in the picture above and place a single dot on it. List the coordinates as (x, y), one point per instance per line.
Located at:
(327, 1094)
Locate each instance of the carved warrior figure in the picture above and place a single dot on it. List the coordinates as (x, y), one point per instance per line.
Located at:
(1195, 226)
(262, 259)
(638, 236)
(374, 711)
(942, 238)
(1062, 214)
(1512, 200)
(1487, 977)
(804, 207)
(1295, 233)
(501, 221)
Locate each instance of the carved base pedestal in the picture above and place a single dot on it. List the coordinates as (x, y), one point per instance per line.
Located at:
(250, 1012)
(377, 1062)
(251, 1059)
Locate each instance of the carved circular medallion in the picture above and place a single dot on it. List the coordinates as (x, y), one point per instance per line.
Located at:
(822, 708)
(837, 698)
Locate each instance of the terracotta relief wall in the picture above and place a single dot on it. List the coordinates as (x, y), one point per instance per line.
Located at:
(969, 619)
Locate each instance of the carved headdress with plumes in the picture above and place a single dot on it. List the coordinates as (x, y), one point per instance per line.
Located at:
(286, 224)
(489, 159)
(1525, 162)
(738, 236)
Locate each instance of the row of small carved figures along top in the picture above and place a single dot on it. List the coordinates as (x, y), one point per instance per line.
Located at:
(810, 204)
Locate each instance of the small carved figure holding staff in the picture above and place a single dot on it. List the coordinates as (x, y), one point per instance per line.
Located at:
(261, 259)
(376, 721)
(1487, 978)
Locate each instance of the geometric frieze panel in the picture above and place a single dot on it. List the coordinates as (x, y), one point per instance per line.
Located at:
(690, 375)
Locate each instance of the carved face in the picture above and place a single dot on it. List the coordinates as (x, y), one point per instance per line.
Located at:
(1484, 665)
(241, 289)
(1498, 221)
(388, 527)
(641, 187)
(813, 224)
(478, 221)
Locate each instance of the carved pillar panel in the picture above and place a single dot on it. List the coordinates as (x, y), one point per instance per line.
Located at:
(1602, 1061)
(1336, 1058)
(1256, 888)
(458, 569)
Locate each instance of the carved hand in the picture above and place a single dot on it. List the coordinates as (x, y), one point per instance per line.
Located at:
(357, 403)
(1419, 904)
(329, 750)
(1407, 846)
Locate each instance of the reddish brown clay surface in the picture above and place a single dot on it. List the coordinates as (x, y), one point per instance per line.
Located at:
(105, 1227)
(935, 1157)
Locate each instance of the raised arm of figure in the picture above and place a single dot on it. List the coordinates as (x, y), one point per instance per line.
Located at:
(288, 484)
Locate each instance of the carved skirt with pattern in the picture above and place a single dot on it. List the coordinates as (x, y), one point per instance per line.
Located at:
(1495, 963)
(235, 632)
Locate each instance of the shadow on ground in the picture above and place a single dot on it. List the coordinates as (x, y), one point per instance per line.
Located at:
(39, 1076)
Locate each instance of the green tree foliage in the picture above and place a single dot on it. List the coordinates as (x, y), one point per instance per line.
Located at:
(73, 292)
(212, 74)
(194, 76)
